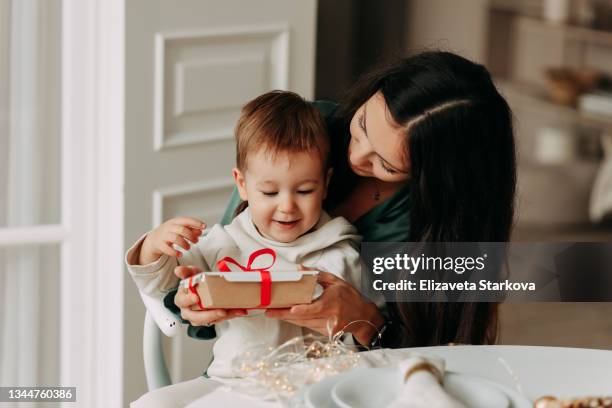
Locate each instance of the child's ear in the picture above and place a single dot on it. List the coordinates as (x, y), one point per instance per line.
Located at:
(328, 177)
(240, 183)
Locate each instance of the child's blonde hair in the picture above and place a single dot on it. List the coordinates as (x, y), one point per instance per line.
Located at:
(280, 121)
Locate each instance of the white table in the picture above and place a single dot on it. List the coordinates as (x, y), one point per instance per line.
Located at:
(537, 371)
(533, 371)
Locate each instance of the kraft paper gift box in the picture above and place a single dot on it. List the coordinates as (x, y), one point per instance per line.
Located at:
(252, 289)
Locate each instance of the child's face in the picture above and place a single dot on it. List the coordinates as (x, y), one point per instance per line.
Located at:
(285, 193)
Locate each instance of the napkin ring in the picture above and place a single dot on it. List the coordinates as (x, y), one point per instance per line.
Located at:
(424, 366)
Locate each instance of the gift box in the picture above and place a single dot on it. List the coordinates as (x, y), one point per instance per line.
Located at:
(251, 286)
(252, 289)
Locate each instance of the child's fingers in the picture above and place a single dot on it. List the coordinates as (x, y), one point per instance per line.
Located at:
(167, 249)
(185, 300)
(178, 240)
(190, 222)
(185, 232)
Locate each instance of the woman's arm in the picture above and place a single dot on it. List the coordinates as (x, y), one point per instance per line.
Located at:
(339, 300)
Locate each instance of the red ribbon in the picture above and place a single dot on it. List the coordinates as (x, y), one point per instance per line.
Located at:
(266, 280)
(193, 290)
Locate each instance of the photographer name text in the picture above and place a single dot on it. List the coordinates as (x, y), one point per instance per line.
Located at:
(432, 285)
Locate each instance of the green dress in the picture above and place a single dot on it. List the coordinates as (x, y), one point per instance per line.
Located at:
(387, 222)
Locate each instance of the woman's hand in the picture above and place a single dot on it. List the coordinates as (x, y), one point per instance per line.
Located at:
(339, 300)
(180, 231)
(187, 301)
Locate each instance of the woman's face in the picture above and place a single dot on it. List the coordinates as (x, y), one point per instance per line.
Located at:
(377, 147)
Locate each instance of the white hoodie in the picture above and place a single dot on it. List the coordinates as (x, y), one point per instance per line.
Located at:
(331, 246)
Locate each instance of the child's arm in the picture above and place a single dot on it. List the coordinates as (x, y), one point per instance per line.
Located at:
(151, 261)
(155, 279)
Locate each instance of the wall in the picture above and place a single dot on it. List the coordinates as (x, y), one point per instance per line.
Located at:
(458, 26)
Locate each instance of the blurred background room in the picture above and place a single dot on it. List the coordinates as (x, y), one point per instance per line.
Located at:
(118, 114)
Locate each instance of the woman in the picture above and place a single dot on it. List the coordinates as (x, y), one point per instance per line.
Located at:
(423, 150)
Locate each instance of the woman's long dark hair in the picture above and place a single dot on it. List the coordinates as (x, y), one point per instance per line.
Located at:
(460, 143)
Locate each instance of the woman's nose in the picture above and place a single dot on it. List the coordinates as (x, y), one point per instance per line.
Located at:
(361, 153)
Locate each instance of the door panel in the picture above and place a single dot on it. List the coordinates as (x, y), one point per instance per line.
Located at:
(30, 192)
(205, 76)
(30, 315)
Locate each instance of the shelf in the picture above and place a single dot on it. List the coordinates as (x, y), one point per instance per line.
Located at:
(535, 98)
(523, 7)
(569, 31)
(531, 15)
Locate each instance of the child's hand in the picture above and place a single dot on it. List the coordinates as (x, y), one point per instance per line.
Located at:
(180, 231)
(186, 301)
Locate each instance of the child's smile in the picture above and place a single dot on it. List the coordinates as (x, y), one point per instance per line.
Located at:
(285, 226)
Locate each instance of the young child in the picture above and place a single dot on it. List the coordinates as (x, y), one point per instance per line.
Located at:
(282, 173)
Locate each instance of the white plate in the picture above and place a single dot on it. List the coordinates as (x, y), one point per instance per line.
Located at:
(319, 395)
(377, 387)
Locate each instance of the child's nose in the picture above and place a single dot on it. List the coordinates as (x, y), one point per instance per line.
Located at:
(287, 204)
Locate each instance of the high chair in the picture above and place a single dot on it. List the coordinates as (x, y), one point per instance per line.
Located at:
(156, 371)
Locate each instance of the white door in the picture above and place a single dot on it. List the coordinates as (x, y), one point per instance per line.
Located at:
(32, 230)
(60, 197)
(190, 65)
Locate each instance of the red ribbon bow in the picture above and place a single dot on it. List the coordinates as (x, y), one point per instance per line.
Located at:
(266, 280)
